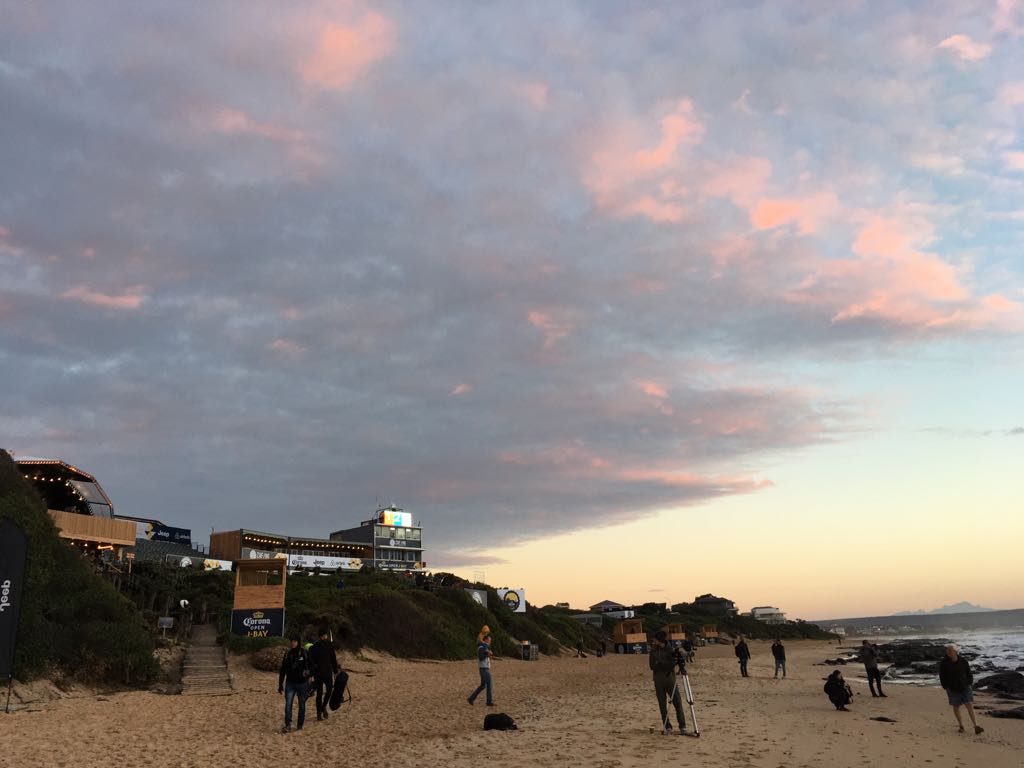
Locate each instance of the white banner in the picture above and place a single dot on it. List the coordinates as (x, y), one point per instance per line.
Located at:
(325, 563)
(515, 599)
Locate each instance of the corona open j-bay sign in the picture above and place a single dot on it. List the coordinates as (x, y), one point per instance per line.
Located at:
(13, 553)
(261, 622)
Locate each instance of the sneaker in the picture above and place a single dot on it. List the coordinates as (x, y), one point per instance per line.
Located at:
(960, 729)
(490, 703)
(884, 696)
(978, 729)
(469, 700)
(326, 714)
(319, 717)
(286, 729)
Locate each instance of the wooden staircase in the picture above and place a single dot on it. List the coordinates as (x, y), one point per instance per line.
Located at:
(206, 666)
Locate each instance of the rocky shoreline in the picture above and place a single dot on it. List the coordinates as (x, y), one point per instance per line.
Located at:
(916, 662)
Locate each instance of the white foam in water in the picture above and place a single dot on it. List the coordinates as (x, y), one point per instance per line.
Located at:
(1003, 649)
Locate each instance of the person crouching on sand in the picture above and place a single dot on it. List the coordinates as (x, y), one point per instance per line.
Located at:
(838, 691)
(956, 677)
(662, 661)
(484, 655)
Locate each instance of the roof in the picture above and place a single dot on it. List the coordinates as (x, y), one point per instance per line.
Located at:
(84, 483)
(607, 604)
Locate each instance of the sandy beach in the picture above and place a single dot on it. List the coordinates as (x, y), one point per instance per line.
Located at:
(592, 712)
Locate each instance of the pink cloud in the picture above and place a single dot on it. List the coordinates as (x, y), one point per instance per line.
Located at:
(1005, 18)
(891, 279)
(653, 388)
(554, 329)
(742, 181)
(965, 48)
(626, 176)
(1012, 94)
(235, 122)
(132, 298)
(683, 479)
(536, 93)
(461, 389)
(1014, 160)
(344, 53)
(805, 212)
(287, 348)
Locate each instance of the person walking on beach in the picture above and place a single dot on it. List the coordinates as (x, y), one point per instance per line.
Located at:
(688, 648)
(869, 655)
(956, 677)
(779, 653)
(293, 681)
(579, 650)
(662, 661)
(743, 654)
(483, 656)
(325, 666)
(838, 691)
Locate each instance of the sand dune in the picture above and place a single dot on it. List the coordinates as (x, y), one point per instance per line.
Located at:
(590, 712)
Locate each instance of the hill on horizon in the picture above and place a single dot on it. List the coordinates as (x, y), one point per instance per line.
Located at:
(961, 607)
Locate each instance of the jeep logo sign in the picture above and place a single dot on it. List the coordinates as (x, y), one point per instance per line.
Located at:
(13, 553)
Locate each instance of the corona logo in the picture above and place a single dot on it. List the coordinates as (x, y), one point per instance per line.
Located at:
(257, 614)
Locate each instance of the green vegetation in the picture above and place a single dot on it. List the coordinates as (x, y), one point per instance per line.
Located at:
(655, 616)
(389, 613)
(72, 619)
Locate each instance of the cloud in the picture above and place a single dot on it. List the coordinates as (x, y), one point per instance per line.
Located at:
(628, 175)
(966, 49)
(805, 212)
(344, 53)
(461, 389)
(132, 298)
(1014, 160)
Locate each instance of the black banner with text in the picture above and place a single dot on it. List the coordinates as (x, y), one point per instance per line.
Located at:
(13, 554)
(261, 622)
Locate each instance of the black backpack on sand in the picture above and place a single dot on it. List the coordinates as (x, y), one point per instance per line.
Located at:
(499, 721)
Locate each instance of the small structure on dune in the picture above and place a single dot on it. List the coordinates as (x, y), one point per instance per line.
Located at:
(258, 609)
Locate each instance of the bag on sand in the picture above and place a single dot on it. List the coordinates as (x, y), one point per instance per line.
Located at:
(499, 721)
(338, 692)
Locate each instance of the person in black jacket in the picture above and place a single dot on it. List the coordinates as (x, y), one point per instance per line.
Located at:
(324, 662)
(956, 677)
(293, 680)
(743, 654)
(838, 691)
(662, 661)
(779, 653)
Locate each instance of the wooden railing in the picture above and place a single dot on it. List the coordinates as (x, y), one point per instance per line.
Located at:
(102, 530)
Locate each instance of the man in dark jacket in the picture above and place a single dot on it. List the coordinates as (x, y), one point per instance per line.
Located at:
(779, 654)
(293, 681)
(743, 654)
(869, 655)
(956, 677)
(324, 663)
(662, 661)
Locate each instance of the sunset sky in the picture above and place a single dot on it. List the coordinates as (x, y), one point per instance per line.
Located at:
(627, 301)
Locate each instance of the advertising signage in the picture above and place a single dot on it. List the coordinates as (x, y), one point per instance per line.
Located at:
(325, 563)
(157, 532)
(515, 599)
(259, 622)
(395, 518)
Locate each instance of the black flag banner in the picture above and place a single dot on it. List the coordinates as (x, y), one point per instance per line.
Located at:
(13, 552)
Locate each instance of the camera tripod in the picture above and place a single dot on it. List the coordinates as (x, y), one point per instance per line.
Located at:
(687, 692)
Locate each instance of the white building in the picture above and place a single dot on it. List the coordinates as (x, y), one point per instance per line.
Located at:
(768, 614)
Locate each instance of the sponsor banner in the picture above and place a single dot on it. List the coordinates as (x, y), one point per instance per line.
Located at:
(13, 553)
(325, 563)
(515, 599)
(479, 596)
(157, 532)
(204, 563)
(165, 622)
(398, 565)
(260, 622)
(261, 554)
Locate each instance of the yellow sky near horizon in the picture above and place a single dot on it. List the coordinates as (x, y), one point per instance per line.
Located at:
(864, 529)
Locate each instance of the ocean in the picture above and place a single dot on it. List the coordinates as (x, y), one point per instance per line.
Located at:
(998, 651)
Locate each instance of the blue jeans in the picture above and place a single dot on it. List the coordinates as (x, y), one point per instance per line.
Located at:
(743, 665)
(485, 684)
(291, 690)
(780, 664)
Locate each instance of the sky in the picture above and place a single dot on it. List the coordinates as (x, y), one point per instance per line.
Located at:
(621, 301)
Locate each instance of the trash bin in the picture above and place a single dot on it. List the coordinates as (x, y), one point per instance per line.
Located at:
(529, 651)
